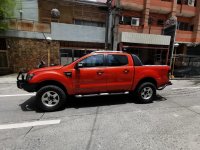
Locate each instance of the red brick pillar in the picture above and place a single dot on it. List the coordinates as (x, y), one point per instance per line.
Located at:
(146, 16)
(196, 34)
(174, 5)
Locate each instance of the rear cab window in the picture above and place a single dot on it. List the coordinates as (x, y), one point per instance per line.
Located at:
(136, 60)
(117, 60)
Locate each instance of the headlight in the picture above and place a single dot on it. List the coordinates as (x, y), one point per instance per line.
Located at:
(29, 76)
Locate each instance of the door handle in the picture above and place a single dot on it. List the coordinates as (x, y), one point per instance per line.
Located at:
(100, 72)
(126, 71)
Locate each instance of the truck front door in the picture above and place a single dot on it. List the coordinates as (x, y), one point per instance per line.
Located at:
(91, 77)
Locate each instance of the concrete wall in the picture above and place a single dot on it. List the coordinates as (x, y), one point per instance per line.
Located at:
(29, 9)
(78, 33)
(64, 32)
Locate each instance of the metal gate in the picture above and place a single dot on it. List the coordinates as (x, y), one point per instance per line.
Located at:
(3, 59)
(186, 65)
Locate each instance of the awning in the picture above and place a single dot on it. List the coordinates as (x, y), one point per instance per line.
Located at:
(142, 38)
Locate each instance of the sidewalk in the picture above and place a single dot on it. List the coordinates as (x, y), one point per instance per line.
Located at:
(186, 78)
(11, 78)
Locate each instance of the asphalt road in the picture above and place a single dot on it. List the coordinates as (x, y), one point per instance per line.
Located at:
(114, 122)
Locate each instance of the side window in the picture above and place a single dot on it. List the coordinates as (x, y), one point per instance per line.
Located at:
(117, 60)
(93, 61)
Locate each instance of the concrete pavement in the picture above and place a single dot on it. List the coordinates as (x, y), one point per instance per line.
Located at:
(105, 122)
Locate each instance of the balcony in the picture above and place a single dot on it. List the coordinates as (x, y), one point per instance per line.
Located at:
(184, 36)
(26, 25)
(139, 29)
(129, 28)
(57, 31)
(78, 33)
(185, 10)
(161, 7)
(156, 30)
(137, 5)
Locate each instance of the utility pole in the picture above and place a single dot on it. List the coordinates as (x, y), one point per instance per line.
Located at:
(109, 8)
(174, 40)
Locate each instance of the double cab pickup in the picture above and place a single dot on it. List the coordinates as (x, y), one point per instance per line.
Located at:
(97, 72)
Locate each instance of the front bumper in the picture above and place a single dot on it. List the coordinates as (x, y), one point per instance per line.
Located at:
(164, 86)
(22, 83)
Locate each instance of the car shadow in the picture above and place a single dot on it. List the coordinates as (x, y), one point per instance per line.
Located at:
(29, 105)
(90, 101)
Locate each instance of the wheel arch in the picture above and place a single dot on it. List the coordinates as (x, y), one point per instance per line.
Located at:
(147, 79)
(51, 82)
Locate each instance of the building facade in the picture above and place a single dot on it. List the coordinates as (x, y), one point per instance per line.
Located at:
(80, 28)
(135, 26)
(139, 24)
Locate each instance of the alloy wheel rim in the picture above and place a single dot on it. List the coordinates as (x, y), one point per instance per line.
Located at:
(147, 93)
(50, 98)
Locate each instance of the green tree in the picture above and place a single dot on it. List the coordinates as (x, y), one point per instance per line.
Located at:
(6, 11)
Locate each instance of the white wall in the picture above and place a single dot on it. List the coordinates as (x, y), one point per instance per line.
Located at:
(80, 33)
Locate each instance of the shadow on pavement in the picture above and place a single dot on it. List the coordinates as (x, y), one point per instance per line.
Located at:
(29, 105)
(91, 101)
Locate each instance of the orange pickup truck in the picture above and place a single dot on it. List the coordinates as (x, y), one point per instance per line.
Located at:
(97, 72)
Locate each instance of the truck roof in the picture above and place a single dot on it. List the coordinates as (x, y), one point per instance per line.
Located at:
(105, 51)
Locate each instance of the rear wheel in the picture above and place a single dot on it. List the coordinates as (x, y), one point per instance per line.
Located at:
(50, 98)
(146, 92)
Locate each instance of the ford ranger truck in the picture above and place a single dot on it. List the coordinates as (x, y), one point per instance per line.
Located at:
(97, 72)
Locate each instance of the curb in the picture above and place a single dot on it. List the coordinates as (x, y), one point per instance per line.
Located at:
(198, 78)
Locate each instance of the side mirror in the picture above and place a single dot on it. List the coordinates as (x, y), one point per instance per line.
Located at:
(79, 65)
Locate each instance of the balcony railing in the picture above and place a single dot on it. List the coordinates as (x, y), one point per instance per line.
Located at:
(156, 30)
(129, 28)
(140, 29)
(185, 10)
(163, 7)
(28, 25)
(137, 5)
(184, 36)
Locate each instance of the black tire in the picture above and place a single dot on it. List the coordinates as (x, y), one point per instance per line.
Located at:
(150, 90)
(50, 98)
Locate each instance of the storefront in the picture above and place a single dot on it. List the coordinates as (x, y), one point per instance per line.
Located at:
(152, 49)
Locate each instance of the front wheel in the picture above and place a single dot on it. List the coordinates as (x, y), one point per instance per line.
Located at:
(50, 98)
(146, 92)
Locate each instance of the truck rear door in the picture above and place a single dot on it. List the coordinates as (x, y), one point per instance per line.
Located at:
(120, 72)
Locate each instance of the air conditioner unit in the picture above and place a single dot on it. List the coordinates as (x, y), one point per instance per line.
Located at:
(135, 21)
(191, 2)
(121, 19)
